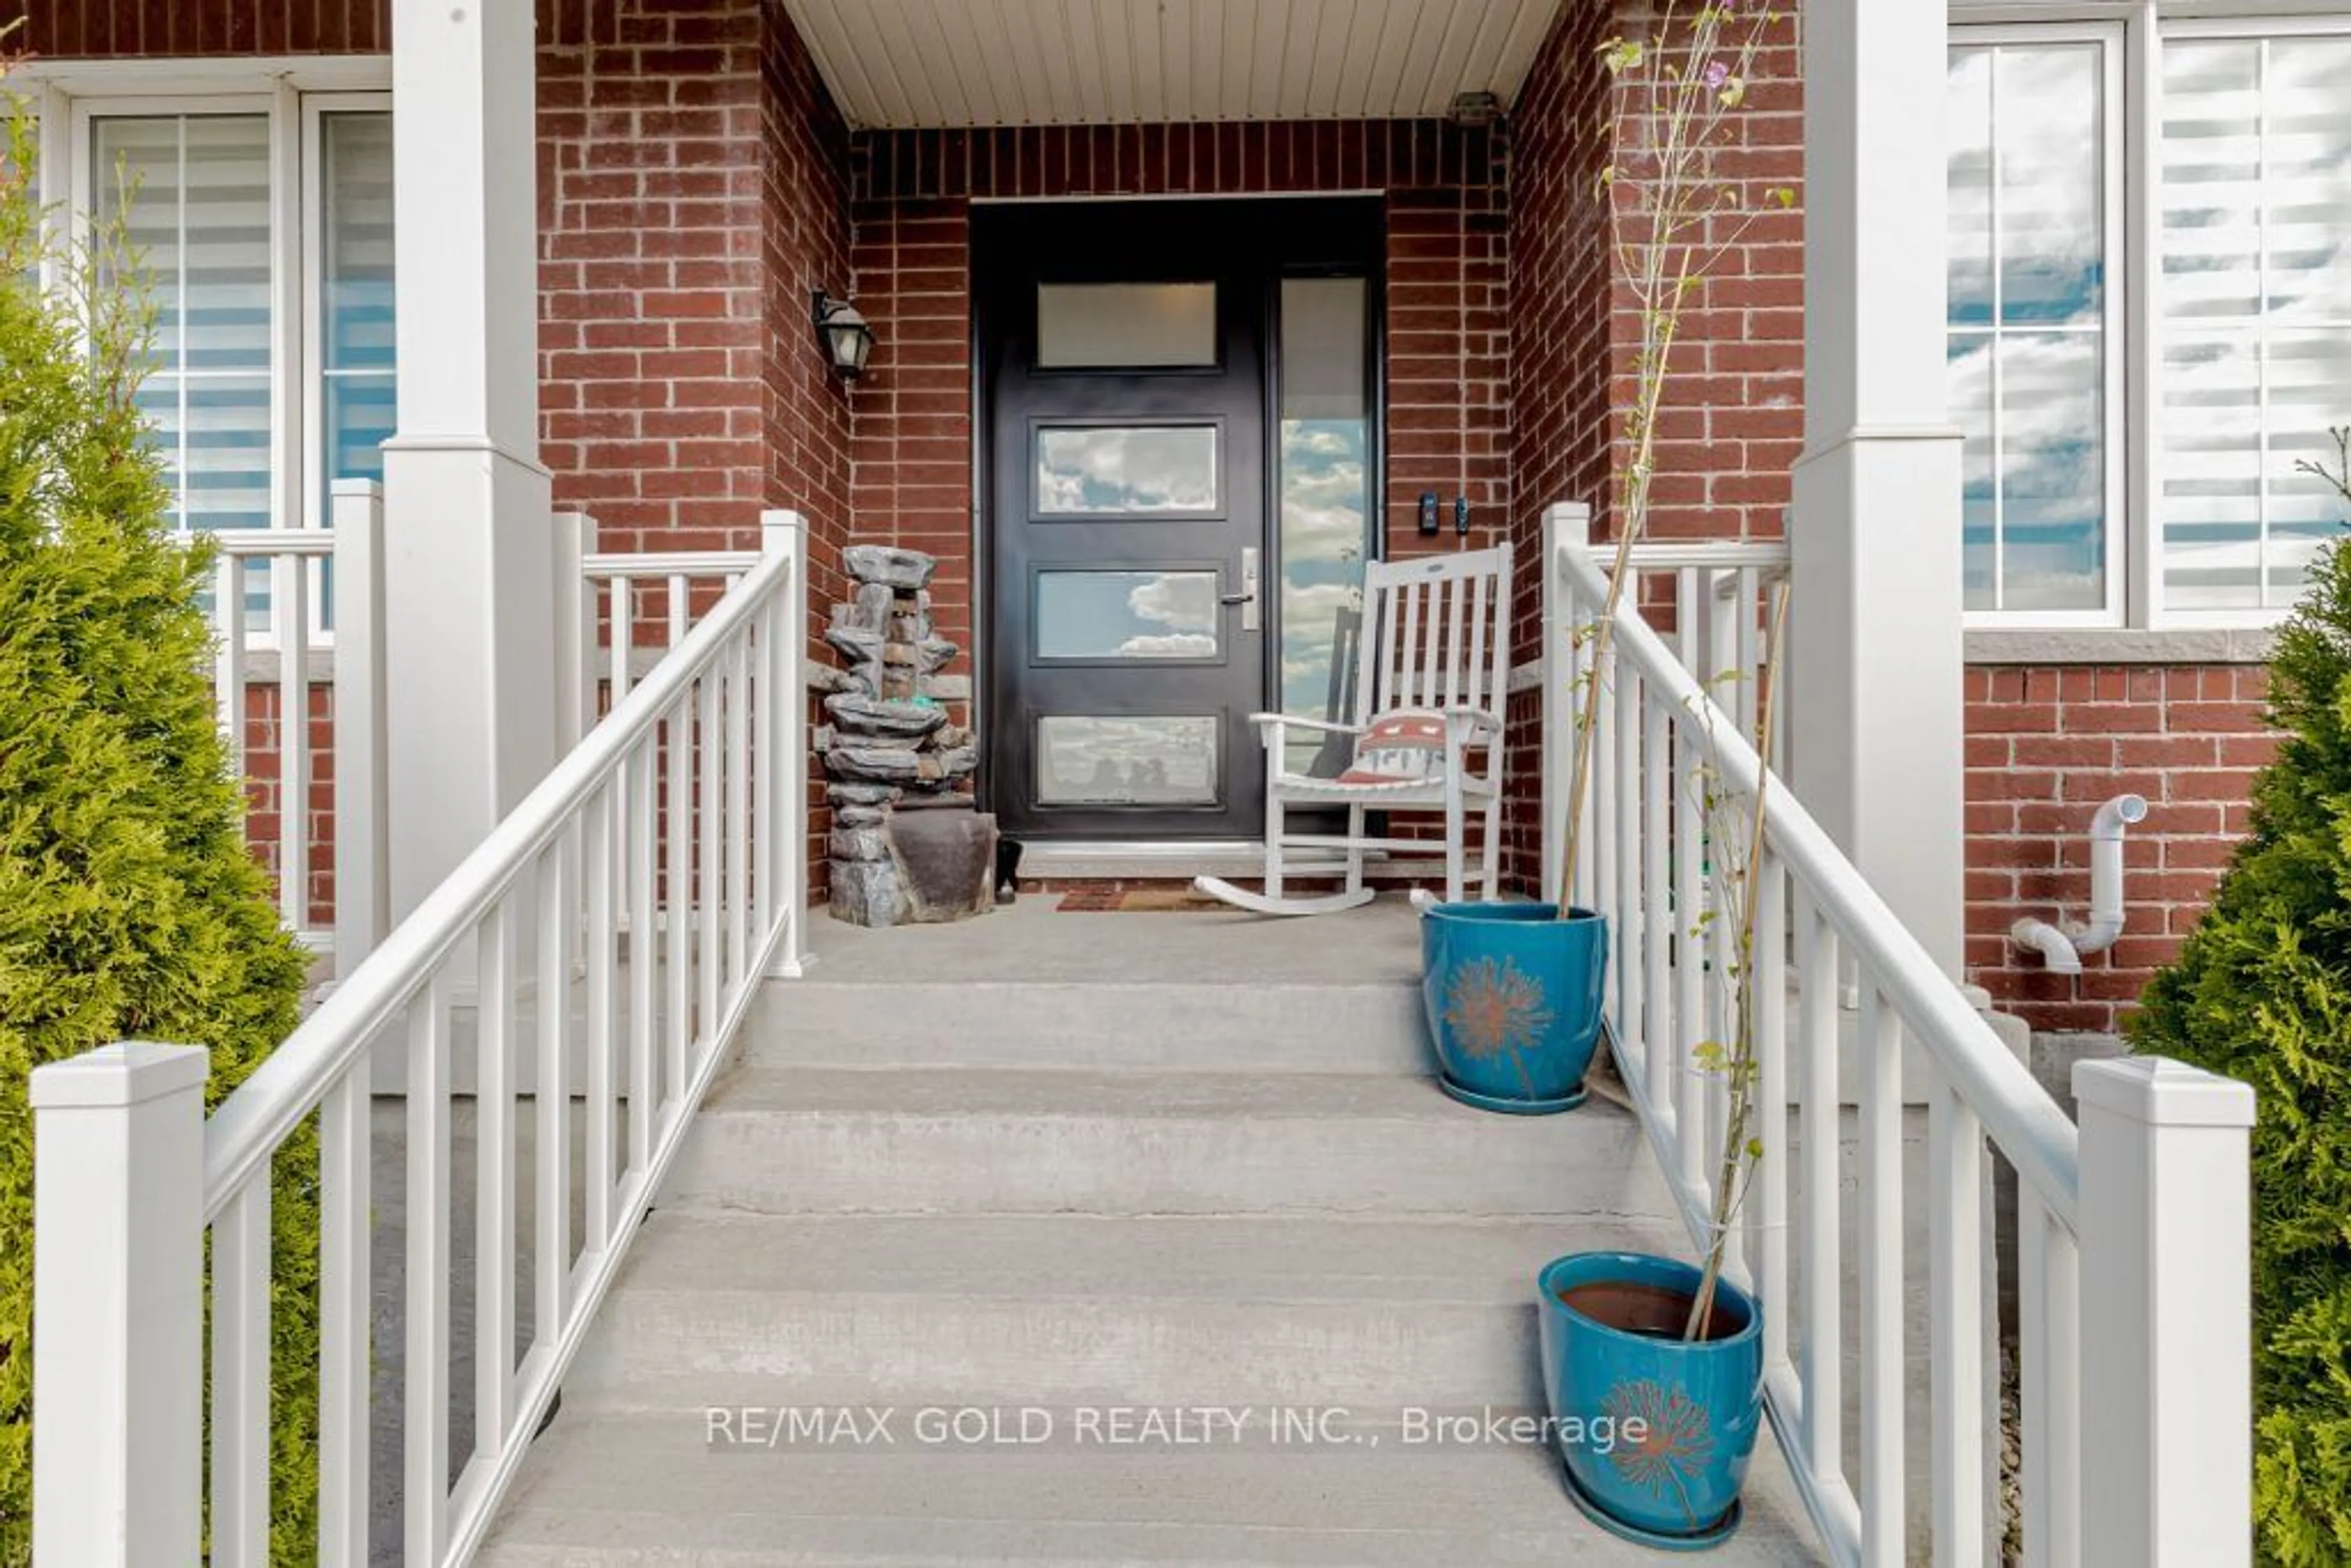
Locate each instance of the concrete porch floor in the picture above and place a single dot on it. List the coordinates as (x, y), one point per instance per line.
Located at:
(1033, 940)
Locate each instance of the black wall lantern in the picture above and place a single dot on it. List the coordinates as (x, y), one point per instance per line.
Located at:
(846, 336)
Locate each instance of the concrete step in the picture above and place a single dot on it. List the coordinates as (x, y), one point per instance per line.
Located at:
(607, 1492)
(714, 1310)
(1256, 1026)
(818, 1140)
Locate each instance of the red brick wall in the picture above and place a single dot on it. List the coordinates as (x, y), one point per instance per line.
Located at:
(1448, 324)
(1560, 355)
(691, 184)
(134, 27)
(2045, 748)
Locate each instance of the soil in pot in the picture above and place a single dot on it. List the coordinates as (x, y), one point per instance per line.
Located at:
(1652, 1312)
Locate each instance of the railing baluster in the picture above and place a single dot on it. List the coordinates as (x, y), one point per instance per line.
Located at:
(738, 819)
(228, 681)
(785, 534)
(677, 901)
(708, 759)
(681, 607)
(493, 1182)
(1770, 1209)
(551, 1099)
(1819, 1135)
(1659, 1022)
(289, 605)
(1955, 1277)
(345, 1311)
(767, 666)
(1624, 969)
(1747, 631)
(644, 947)
(1601, 846)
(624, 634)
(1879, 1175)
(605, 860)
(2049, 1356)
(425, 1413)
(1691, 1008)
(240, 1405)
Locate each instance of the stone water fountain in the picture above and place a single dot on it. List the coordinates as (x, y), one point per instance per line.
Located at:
(908, 844)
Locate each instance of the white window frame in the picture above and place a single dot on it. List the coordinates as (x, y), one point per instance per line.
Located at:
(2135, 270)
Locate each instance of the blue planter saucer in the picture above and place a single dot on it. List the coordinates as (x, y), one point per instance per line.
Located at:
(1705, 1539)
(1514, 1107)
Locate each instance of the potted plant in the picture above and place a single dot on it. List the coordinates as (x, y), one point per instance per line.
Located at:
(1632, 1338)
(1512, 991)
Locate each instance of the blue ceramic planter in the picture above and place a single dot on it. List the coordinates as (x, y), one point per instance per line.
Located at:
(1674, 1482)
(1512, 994)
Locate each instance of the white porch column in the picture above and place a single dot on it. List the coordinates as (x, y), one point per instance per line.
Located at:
(468, 555)
(1874, 641)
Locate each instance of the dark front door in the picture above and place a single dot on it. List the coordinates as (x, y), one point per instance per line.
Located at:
(1133, 578)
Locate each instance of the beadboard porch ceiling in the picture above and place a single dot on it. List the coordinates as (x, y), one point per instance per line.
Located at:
(906, 64)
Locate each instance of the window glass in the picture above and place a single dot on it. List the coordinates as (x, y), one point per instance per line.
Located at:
(2256, 240)
(355, 297)
(2027, 222)
(1107, 469)
(197, 189)
(1326, 400)
(1130, 325)
(1126, 615)
(1126, 760)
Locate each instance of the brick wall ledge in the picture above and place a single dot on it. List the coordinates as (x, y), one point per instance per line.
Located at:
(2120, 645)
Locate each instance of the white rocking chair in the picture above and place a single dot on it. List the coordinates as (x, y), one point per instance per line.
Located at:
(1429, 736)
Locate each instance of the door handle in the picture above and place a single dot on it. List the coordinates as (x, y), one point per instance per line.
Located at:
(1247, 597)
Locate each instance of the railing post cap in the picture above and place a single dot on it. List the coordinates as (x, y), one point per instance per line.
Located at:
(368, 488)
(128, 1072)
(2162, 1092)
(1568, 521)
(783, 518)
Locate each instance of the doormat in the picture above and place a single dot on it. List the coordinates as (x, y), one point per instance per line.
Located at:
(1137, 901)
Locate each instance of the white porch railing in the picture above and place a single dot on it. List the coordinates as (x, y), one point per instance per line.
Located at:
(293, 561)
(2137, 1438)
(619, 598)
(684, 810)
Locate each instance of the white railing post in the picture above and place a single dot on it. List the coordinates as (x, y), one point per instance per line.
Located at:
(1565, 523)
(362, 878)
(2167, 1383)
(575, 630)
(786, 534)
(119, 1307)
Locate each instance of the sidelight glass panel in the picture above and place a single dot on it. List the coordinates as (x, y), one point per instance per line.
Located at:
(1125, 325)
(2027, 350)
(1109, 470)
(1127, 760)
(1325, 522)
(1126, 615)
(355, 298)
